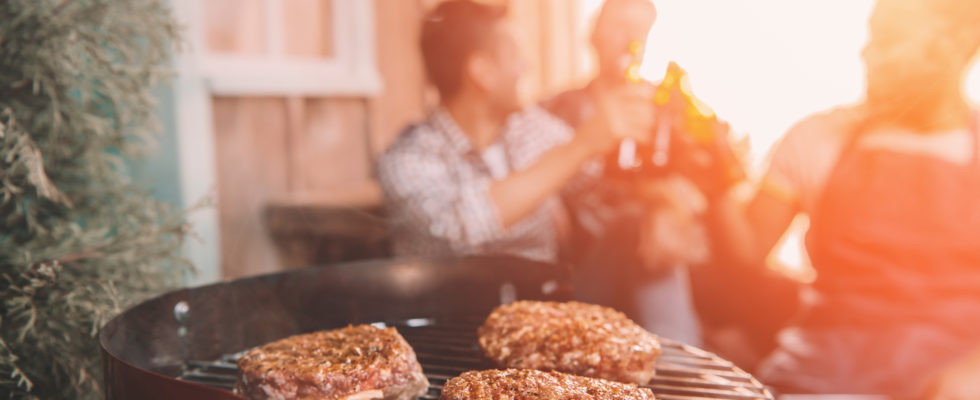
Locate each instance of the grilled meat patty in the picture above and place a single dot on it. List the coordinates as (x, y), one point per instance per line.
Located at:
(529, 384)
(577, 338)
(354, 363)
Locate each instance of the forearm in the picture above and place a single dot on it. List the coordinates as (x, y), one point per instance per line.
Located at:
(621, 114)
(745, 232)
(518, 195)
(734, 236)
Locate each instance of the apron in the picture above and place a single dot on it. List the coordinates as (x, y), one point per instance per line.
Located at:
(895, 240)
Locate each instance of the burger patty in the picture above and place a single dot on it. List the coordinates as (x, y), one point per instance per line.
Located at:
(527, 384)
(577, 338)
(353, 363)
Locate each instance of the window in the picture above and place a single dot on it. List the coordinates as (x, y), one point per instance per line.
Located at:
(243, 48)
(246, 47)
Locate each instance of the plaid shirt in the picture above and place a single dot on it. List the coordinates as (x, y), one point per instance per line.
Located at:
(437, 185)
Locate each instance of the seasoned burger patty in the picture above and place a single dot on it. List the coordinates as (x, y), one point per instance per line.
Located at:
(356, 362)
(577, 338)
(529, 384)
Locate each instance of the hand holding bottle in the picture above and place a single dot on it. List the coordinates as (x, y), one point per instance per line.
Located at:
(621, 113)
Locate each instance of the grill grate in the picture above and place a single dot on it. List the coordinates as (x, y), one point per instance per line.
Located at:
(448, 348)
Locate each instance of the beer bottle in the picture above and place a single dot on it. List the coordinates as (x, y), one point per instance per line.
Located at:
(697, 127)
(631, 159)
(686, 137)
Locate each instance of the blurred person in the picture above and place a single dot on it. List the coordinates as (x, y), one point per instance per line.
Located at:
(482, 174)
(634, 245)
(892, 188)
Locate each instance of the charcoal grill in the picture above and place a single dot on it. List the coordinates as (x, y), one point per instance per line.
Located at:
(184, 344)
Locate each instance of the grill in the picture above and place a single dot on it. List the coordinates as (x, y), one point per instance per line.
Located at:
(148, 354)
(448, 348)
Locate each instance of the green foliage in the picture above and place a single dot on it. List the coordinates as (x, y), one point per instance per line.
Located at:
(79, 242)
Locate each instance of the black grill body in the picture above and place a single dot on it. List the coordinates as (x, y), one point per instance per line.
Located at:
(184, 344)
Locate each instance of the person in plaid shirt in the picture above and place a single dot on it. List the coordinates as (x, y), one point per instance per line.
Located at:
(482, 174)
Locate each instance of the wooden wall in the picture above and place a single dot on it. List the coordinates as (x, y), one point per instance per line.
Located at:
(270, 149)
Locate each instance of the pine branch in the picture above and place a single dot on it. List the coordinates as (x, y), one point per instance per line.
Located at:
(16, 377)
(78, 242)
(61, 5)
